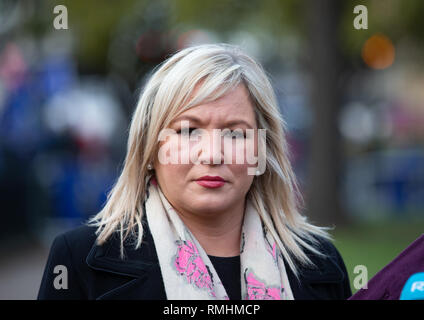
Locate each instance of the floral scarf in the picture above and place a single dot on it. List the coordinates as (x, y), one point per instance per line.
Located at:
(187, 271)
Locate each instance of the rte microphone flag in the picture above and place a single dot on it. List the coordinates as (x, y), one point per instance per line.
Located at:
(414, 288)
(389, 282)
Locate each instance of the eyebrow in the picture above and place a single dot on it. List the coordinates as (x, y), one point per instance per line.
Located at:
(199, 121)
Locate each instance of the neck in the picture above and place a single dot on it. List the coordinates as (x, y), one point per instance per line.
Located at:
(219, 234)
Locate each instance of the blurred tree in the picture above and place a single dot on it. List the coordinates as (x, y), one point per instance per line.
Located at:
(323, 198)
(335, 55)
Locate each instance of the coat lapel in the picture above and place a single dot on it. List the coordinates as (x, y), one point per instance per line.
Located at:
(141, 266)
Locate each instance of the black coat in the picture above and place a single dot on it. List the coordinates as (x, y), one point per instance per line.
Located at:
(97, 272)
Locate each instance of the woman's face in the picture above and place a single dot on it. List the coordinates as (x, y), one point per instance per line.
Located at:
(213, 153)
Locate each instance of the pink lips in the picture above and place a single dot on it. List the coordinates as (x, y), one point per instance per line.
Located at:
(211, 181)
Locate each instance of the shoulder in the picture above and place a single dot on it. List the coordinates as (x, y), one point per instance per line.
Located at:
(81, 236)
(67, 257)
(329, 256)
(328, 249)
(327, 278)
(77, 242)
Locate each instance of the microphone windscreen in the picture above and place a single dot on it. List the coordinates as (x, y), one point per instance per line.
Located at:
(414, 288)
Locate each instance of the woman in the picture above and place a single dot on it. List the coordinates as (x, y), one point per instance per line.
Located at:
(187, 219)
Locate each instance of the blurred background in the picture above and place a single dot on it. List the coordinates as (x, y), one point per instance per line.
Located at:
(353, 101)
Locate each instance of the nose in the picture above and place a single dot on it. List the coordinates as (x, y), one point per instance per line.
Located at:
(210, 148)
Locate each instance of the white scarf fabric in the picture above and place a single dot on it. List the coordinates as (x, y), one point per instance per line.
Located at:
(187, 271)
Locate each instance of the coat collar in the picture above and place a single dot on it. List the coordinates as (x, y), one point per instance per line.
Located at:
(135, 263)
(326, 270)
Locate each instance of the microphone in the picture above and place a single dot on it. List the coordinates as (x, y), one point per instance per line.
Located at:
(414, 288)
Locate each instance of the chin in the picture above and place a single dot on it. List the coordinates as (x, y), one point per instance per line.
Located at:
(210, 205)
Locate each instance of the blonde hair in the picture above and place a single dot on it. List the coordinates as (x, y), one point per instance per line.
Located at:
(169, 91)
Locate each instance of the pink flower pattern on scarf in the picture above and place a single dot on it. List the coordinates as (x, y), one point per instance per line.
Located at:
(189, 263)
(256, 290)
(273, 251)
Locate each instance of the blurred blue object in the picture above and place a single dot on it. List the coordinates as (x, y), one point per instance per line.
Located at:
(414, 288)
(384, 182)
(58, 74)
(20, 124)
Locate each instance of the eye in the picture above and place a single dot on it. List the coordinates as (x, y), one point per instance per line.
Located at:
(185, 131)
(235, 134)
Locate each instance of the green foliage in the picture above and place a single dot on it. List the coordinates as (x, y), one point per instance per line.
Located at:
(94, 22)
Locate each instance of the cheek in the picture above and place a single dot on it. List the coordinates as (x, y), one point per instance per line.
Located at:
(169, 151)
(178, 150)
(244, 153)
(169, 169)
(242, 180)
(172, 177)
